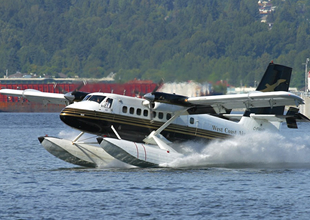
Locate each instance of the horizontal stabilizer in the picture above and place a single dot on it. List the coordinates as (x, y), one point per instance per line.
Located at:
(269, 117)
(280, 118)
(235, 117)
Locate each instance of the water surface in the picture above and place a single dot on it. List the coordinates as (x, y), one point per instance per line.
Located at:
(236, 179)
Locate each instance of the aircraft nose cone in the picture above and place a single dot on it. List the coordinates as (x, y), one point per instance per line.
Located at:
(149, 96)
(64, 118)
(67, 118)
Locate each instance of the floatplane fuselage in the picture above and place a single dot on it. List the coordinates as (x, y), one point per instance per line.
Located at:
(133, 120)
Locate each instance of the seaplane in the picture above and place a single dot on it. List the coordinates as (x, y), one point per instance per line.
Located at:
(143, 131)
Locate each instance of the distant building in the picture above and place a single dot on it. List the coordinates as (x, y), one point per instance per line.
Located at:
(265, 8)
(240, 90)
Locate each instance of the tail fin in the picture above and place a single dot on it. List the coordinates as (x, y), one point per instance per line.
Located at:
(276, 78)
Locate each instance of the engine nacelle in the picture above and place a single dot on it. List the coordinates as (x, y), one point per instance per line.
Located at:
(167, 98)
(163, 107)
(146, 103)
(167, 107)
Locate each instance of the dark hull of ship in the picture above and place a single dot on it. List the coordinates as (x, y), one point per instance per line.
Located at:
(29, 107)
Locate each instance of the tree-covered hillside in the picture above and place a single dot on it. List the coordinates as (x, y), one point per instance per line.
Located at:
(204, 40)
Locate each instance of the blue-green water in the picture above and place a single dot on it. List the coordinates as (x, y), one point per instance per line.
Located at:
(36, 185)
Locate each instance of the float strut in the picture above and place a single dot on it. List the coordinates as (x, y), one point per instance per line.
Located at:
(115, 132)
(77, 137)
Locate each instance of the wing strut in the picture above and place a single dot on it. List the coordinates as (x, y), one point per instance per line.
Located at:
(150, 138)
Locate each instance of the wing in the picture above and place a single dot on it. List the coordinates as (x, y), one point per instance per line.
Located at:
(250, 100)
(37, 96)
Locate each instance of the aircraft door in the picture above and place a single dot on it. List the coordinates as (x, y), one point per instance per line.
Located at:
(197, 126)
(194, 122)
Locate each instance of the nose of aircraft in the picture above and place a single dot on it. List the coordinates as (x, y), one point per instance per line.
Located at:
(82, 119)
(65, 117)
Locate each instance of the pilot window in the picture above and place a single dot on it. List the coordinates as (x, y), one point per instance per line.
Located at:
(154, 114)
(145, 113)
(124, 109)
(96, 98)
(131, 110)
(108, 103)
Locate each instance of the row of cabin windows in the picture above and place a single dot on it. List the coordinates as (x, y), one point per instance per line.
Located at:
(145, 112)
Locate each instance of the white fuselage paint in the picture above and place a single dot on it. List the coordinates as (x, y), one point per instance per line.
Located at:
(136, 108)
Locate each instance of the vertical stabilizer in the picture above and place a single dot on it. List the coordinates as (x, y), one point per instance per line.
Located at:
(276, 78)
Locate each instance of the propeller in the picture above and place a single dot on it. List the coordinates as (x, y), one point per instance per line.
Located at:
(163, 97)
(74, 95)
(138, 93)
(158, 85)
(150, 97)
(60, 89)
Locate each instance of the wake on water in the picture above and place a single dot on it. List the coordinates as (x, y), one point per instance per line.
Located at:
(252, 149)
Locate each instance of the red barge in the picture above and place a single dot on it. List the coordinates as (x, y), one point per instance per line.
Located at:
(15, 104)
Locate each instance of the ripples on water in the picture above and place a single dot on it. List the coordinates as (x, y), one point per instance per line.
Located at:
(246, 177)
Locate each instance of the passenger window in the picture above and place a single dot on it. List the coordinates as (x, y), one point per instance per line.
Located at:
(154, 114)
(145, 113)
(138, 111)
(131, 110)
(160, 115)
(191, 120)
(168, 116)
(124, 109)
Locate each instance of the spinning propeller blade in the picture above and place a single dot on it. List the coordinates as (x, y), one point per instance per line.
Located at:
(79, 87)
(74, 95)
(60, 89)
(159, 84)
(150, 97)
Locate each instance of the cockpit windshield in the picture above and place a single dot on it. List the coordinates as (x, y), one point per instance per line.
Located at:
(86, 97)
(95, 98)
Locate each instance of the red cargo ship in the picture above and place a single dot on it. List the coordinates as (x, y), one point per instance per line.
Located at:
(15, 104)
